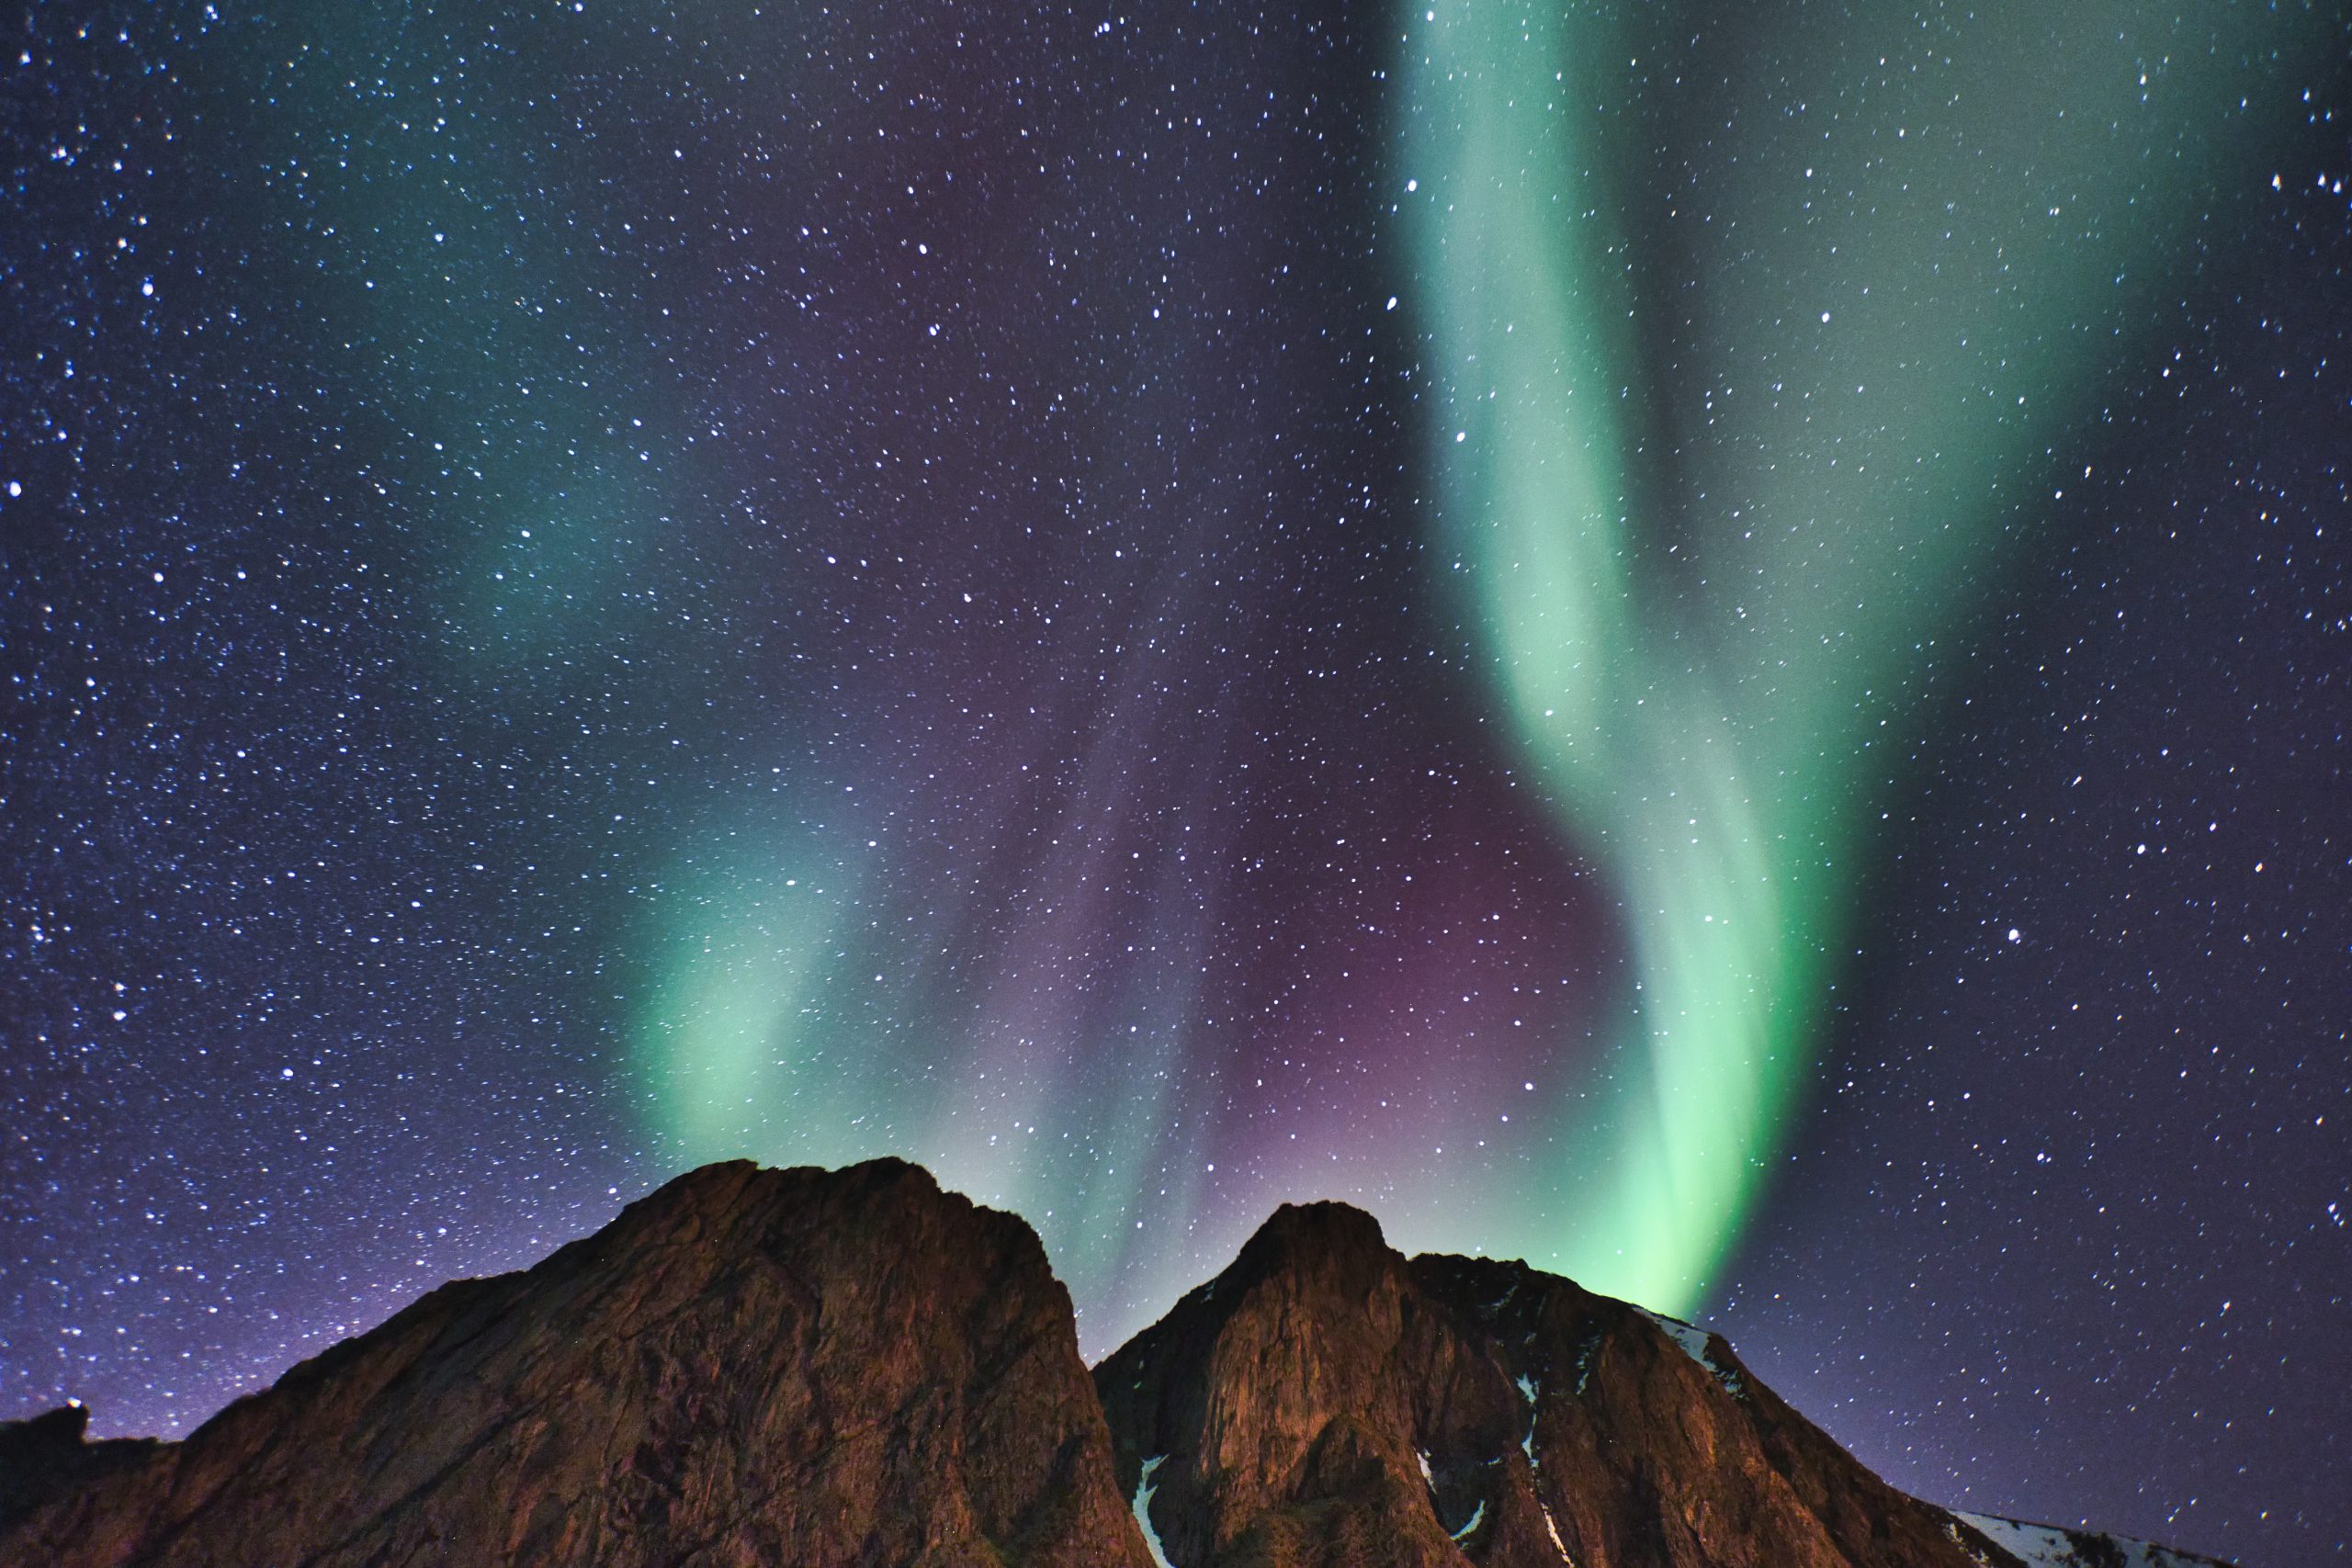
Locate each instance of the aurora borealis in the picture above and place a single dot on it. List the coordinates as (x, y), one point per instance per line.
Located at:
(1700, 644)
(1706, 722)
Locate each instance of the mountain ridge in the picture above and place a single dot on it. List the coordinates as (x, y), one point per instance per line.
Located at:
(857, 1366)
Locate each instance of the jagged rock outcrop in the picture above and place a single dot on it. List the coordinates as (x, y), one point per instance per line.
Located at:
(748, 1367)
(52, 1456)
(1326, 1402)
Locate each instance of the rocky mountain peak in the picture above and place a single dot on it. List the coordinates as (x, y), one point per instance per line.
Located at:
(747, 1366)
(828, 1368)
(1313, 1236)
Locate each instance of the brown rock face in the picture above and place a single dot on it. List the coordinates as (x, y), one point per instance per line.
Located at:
(1326, 1402)
(822, 1368)
(748, 1367)
(50, 1455)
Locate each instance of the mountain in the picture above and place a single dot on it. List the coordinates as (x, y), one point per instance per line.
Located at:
(747, 1367)
(822, 1368)
(1326, 1402)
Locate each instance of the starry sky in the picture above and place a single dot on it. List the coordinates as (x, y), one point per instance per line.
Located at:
(1704, 644)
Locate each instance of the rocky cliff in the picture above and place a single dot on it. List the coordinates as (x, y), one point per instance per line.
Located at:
(816, 1368)
(748, 1367)
(1327, 1402)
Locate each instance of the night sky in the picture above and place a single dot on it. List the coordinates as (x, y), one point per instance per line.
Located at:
(1708, 644)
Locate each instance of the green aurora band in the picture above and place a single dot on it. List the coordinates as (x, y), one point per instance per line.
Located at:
(1725, 460)
(1708, 601)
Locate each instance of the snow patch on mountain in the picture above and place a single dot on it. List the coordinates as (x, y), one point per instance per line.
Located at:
(1144, 1489)
(2049, 1546)
(1694, 1341)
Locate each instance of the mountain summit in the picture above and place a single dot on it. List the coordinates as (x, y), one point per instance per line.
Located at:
(808, 1367)
(747, 1367)
(1326, 1402)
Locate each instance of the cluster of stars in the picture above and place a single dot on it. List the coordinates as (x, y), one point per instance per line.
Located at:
(591, 588)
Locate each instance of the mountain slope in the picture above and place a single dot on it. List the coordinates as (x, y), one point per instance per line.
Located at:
(747, 1367)
(2052, 1545)
(1326, 1402)
(822, 1368)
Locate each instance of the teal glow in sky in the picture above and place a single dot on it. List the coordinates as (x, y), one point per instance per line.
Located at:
(1487, 612)
(1741, 395)
(1743, 403)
